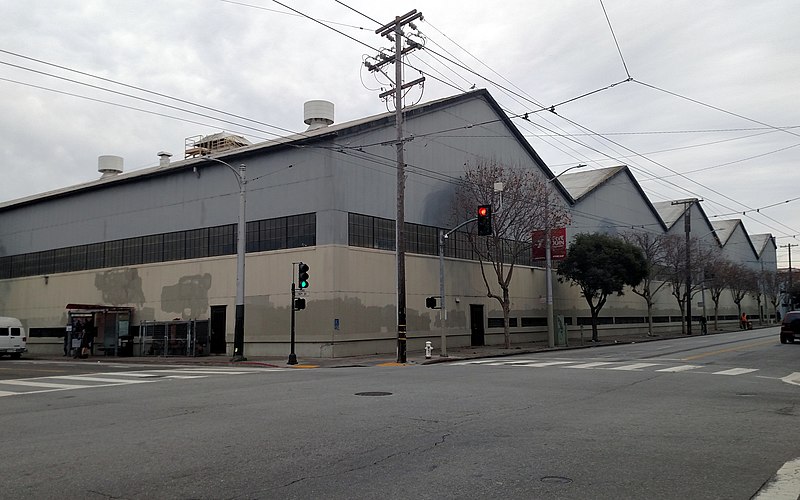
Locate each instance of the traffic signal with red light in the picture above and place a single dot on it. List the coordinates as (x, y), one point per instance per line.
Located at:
(302, 275)
(484, 220)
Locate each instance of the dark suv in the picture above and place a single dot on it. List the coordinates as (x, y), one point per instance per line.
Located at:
(790, 327)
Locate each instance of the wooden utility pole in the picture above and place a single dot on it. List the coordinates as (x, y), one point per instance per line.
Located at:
(394, 30)
(687, 223)
(789, 290)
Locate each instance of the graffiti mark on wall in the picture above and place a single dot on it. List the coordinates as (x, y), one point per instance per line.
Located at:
(189, 297)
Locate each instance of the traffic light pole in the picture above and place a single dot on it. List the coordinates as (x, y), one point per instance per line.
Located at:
(443, 306)
(292, 355)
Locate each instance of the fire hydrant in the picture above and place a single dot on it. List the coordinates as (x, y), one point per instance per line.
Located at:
(428, 349)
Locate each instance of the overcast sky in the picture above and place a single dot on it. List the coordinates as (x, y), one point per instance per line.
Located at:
(256, 60)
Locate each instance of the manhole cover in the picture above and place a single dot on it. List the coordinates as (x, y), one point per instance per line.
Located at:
(374, 393)
(556, 480)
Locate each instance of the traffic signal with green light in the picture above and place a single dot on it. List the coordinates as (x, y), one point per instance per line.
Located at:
(302, 275)
(484, 220)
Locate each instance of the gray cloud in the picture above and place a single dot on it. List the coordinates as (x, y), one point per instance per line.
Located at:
(739, 56)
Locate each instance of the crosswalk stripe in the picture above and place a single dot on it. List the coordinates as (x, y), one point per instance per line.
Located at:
(736, 371)
(635, 366)
(200, 372)
(30, 383)
(543, 364)
(591, 365)
(101, 379)
(604, 365)
(681, 368)
(6, 393)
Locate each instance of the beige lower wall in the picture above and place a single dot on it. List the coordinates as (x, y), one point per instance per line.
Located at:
(350, 303)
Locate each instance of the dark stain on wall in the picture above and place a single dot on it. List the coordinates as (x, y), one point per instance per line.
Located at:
(120, 286)
(189, 297)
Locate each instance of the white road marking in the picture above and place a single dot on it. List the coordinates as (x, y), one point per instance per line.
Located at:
(784, 485)
(200, 372)
(48, 385)
(476, 362)
(112, 379)
(794, 378)
(102, 379)
(736, 371)
(634, 367)
(681, 368)
(591, 365)
(542, 364)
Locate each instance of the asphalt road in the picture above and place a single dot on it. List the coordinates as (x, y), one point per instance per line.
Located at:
(700, 417)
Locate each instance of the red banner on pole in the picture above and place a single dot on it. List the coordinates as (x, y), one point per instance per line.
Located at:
(558, 244)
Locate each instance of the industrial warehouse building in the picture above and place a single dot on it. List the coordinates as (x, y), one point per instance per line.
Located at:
(154, 250)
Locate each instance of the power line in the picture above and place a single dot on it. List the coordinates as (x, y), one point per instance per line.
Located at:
(716, 108)
(615, 40)
(759, 209)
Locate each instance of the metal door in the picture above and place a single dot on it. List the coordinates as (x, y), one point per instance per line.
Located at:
(217, 337)
(476, 324)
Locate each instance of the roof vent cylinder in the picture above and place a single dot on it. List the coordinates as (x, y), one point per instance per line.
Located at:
(317, 114)
(109, 165)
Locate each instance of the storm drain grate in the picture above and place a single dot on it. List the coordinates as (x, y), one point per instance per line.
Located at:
(374, 393)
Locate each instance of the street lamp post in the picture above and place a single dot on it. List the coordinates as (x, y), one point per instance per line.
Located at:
(241, 242)
(548, 266)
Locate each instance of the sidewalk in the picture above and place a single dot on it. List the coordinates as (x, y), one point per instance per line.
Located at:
(389, 359)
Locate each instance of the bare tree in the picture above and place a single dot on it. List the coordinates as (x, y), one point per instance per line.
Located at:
(742, 281)
(719, 273)
(772, 288)
(653, 248)
(675, 269)
(528, 204)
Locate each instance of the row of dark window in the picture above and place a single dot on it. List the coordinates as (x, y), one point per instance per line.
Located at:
(618, 320)
(375, 232)
(269, 234)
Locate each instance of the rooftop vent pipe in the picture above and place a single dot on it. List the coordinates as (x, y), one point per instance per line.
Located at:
(163, 158)
(317, 114)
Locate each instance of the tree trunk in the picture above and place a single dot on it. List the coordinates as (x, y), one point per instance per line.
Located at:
(594, 327)
(506, 314)
(650, 318)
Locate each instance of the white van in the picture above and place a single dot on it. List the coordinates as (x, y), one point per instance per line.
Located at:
(13, 340)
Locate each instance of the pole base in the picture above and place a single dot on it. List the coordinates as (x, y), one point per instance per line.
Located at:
(237, 359)
(292, 359)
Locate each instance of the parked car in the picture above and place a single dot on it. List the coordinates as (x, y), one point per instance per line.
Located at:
(790, 327)
(13, 340)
